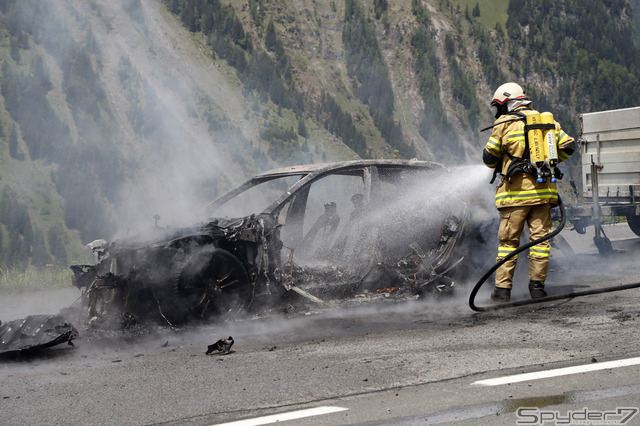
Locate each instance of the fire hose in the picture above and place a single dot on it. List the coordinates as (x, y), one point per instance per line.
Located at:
(563, 220)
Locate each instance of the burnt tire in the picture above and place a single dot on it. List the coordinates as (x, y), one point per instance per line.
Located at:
(209, 283)
(634, 224)
(558, 242)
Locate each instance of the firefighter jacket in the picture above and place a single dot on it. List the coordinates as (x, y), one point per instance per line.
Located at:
(522, 189)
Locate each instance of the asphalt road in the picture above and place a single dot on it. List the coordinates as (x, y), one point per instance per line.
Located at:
(389, 363)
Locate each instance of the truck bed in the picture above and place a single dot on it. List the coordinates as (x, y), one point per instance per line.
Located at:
(611, 141)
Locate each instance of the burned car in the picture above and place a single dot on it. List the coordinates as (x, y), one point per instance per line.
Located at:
(320, 234)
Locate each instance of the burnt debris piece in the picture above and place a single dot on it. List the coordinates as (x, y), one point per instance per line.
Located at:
(34, 333)
(222, 346)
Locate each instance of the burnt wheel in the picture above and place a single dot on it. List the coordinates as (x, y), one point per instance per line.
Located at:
(210, 283)
(559, 242)
(634, 224)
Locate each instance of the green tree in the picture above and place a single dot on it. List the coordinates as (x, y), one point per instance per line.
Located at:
(495, 76)
(2, 250)
(340, 123)
(58, 241)
(368, 68)
(40, 254)
(14, 49)
(16, 254)
(256, 9)
(449, 45)
(380, 7)
(434, 124)
(302, 128)
(14, 148)
(476, 11)
(16, 219)
(270, 37)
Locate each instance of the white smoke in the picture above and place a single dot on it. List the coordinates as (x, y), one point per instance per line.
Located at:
(180, 154)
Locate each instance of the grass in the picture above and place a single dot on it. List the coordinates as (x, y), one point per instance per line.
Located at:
(14, 280)
(613, 219)
(491, 11)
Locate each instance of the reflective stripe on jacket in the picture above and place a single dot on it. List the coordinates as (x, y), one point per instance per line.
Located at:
(523, 189)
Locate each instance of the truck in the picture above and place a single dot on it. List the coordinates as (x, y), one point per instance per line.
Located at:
(610, 162)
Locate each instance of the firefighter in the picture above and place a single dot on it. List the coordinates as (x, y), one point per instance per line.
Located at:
(520, 197)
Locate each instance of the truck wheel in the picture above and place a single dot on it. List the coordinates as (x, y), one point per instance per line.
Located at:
(634, 224)
(210, 283)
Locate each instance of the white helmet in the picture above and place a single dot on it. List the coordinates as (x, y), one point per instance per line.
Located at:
(505, 93)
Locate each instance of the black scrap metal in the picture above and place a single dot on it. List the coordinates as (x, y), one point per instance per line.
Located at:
(222, 346)
(34, 333)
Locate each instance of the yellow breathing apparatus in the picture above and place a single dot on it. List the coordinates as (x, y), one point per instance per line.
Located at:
(541, 137)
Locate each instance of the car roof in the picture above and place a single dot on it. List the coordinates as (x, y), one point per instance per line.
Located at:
(305, 169)
(312, 171)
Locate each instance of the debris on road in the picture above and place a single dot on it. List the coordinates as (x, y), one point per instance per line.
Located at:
(222, 346)
(34, 333)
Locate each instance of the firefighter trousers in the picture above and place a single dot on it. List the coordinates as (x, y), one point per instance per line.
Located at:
(512, 220)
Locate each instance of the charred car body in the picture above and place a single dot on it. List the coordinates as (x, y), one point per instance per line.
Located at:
(324, 233)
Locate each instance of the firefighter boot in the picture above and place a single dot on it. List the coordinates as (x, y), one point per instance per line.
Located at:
(501, 294)
(536, 289)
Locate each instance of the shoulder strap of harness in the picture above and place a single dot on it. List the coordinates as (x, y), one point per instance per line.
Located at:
(520, 116)
(502, 122)
(498, 169)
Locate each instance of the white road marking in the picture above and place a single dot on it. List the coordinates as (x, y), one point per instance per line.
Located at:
(558, 372)
(293, 415)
